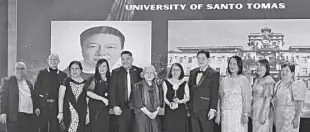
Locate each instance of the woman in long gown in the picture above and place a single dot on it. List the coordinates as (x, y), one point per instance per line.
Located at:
(262, 93)
(72, 100)
(147, 102)
(288, 98)
(234, 99)
(97, 89)
(176, 94)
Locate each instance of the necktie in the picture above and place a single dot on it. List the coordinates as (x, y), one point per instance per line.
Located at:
(128, 84)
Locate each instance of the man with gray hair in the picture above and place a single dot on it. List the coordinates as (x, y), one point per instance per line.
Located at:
(18, 101)
(46, 87)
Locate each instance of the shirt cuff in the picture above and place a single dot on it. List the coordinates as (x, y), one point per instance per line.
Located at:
(213, 110)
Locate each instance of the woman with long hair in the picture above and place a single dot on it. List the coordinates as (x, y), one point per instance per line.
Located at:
(234, 103)
(97, 90)
(262, 94)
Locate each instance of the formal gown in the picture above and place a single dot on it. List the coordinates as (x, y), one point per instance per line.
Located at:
(99, 112)
(285, 105)
(262, 90)
(175, 120)
(75, 106)
(235, 94)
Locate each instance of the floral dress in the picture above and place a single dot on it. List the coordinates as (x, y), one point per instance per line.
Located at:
(235, 94)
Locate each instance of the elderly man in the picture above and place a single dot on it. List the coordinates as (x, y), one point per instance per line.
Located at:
(46, 87)
(18, 101)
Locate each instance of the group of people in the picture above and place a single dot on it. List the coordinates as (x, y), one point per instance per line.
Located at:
(131, 99)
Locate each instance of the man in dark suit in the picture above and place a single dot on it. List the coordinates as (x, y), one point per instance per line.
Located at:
(204, 85)
(47, 87)
(122, 81)
(18, 101)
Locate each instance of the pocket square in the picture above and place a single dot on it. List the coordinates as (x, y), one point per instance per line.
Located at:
(205, 98)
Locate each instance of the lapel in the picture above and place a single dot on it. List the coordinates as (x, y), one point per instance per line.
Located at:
(123, 76)
(14, 84)
(29, 86)
(204, 75)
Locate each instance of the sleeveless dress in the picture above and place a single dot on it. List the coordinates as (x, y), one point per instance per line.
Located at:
(99, 113)
(175, 120)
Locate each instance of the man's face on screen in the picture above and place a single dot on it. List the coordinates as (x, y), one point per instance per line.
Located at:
(101, 46)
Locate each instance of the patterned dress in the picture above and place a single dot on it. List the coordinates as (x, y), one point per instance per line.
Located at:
(235, 94)
(262, 90)
(75, 106)
(285, 105)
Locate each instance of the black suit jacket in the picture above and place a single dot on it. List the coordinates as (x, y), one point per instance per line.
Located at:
(204, 95)
(9, 94)
(44, 84)
(118, 85)
(43, 81)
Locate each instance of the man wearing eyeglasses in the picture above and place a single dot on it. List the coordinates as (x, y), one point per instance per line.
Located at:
(46, 87)
(18, 101)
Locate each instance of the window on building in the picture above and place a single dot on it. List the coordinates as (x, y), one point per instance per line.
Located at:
(190, 59)
(270, 58)
(218, 69)
(181, 60)
(218, 60)
(170, 61)
(303, 60)
(185, 59)
(188, 69)
(292, 59)
(304, 71)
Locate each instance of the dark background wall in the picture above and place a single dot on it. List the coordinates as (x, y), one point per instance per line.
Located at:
(3, 37)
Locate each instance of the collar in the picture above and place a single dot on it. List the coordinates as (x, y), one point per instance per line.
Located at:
(203, 70)
(48, 70)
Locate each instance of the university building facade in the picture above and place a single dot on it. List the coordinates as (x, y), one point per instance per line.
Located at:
(265, 44)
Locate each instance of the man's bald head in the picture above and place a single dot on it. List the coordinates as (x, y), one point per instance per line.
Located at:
(53, 60)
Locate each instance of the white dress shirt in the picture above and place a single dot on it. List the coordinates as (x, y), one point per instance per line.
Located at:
(25, 100)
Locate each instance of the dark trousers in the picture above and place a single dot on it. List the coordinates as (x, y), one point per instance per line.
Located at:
(48, 118)
(304, 125)
(24, 123)
(202, 124)
(126, 121)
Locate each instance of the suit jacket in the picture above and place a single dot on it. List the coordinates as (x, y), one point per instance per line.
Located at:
(118, 85)
(204, 95)
(44, 85)
(43, 81)
(9, 94)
